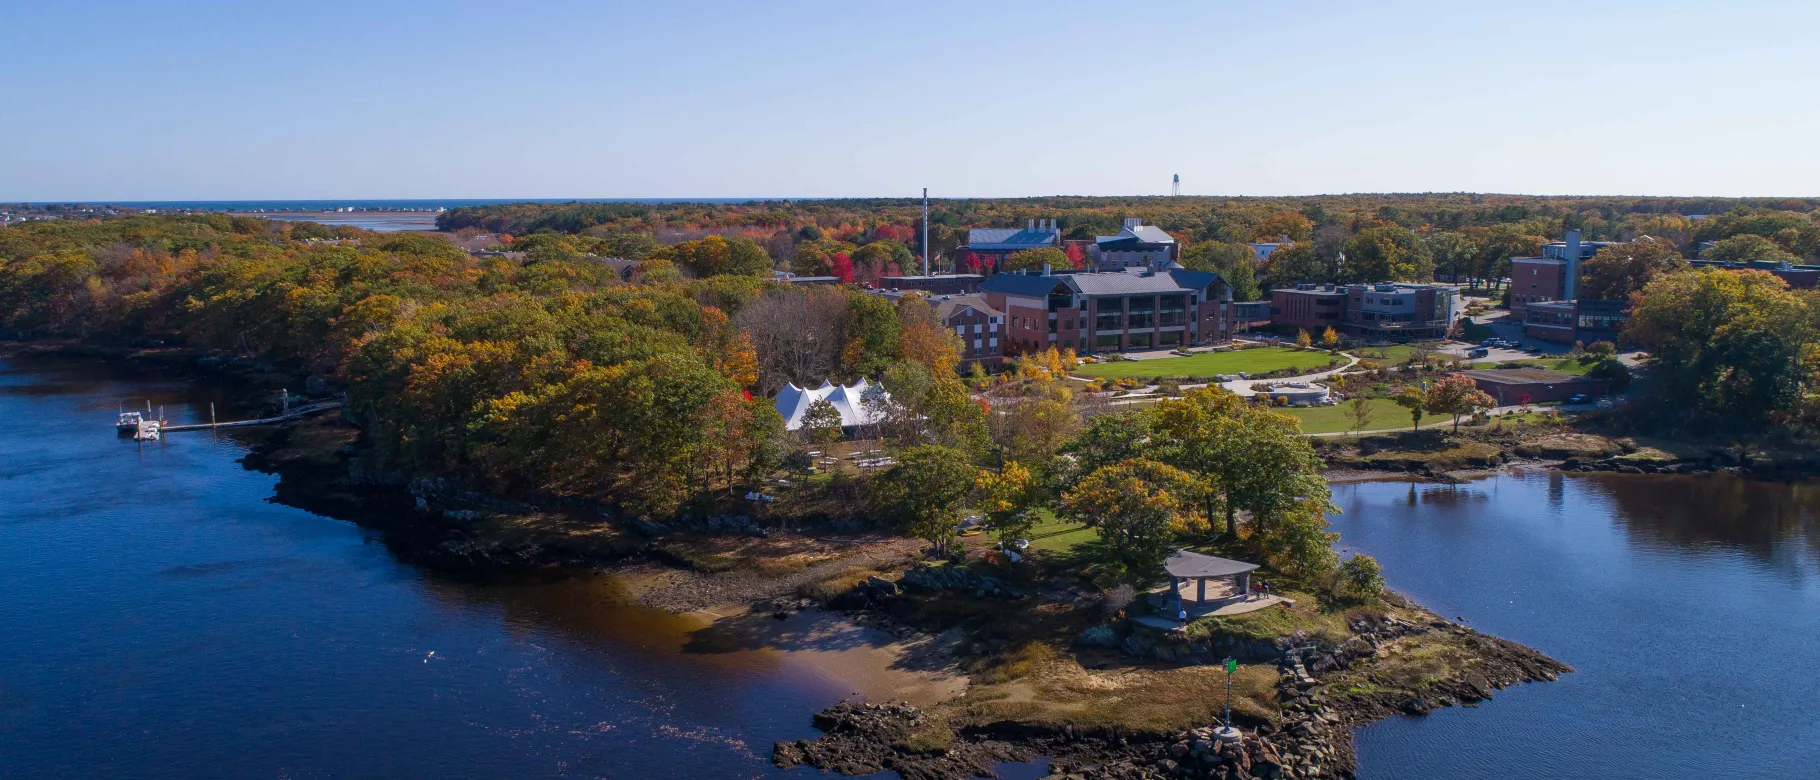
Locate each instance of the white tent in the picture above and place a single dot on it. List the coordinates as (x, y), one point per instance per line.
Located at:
(852, 401)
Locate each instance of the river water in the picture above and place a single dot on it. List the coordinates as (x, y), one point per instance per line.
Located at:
(1690, 606)
(161, 618)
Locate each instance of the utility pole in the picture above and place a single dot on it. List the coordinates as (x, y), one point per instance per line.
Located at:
(925, 231)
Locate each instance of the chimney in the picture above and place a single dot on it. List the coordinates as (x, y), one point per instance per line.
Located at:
(1030, 224)
(1570, 284)
(1045, 269)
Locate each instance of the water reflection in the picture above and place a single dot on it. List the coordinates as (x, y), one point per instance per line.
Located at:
(1697, 512)
(1688, 604)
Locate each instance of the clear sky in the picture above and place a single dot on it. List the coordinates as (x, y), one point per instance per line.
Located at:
(396, 99)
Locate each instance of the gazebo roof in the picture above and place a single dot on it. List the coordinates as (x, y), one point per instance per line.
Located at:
(1189, 565)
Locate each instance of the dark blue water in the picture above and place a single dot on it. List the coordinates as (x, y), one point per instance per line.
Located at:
(161, 618)
(397, 204)
(1690, 606)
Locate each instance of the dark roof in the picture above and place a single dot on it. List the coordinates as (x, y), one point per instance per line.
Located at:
(1127, 282)
(1027, 285)
(1523, 376)
(1193, 564)
(934, 276)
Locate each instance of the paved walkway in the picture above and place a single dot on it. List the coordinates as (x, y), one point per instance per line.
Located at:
(1243, 386)
(1234, 607)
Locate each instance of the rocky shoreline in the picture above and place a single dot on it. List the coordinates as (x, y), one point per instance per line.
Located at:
(1324, 692)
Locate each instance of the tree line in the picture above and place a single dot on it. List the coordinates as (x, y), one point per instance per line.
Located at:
(1327, 239)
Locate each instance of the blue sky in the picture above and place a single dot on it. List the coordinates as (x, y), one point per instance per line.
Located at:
(145, 101)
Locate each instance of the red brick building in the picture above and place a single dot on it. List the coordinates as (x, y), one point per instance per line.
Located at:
(1112, 311)
(978, 325)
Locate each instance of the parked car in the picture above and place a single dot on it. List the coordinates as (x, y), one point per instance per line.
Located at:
(1491, 342)
(1478, 352)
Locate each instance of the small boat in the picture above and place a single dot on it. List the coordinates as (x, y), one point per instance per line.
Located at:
(129, 423)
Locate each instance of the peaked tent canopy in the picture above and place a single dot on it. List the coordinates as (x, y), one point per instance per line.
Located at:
(851, 401)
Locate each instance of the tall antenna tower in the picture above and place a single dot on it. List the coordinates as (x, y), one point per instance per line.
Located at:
(925, 231)
(1176, 188)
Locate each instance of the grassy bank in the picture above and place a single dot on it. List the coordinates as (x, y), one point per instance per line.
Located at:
(1385, 413)
(1208, 364)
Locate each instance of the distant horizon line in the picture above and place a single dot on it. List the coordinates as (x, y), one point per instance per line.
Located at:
(208, 202)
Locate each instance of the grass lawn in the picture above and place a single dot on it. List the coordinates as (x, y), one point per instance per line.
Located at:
(1562, 365)
(1394, 354)
(1385, 413)
(1205, 365)
(1055, 535)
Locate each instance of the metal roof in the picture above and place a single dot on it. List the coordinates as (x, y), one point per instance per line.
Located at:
(1026, 285)
(1143, 234)
(1189, 565)
(1011, 238)
(1523, 376)
(1102, 283)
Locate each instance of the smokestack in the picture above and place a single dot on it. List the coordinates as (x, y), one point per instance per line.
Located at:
(1045, 269)
(925, 231)
(1570, 285)
(1030, 224)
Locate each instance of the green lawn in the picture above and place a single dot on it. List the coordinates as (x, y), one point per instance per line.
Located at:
(1562, 365)
(1205, 365)
(1394, 354)
(1057, 536)
(1333, 419)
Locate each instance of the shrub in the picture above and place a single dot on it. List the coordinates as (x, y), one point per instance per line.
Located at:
(1363, 576)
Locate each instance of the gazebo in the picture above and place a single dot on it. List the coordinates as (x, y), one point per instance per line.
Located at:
(1184, 566)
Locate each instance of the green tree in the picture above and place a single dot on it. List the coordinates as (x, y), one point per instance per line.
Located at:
(926, 491)
(1388, 253)
(1289, 266)
(1251, 458)
(1358, 412)
(1105, 439)
(1234, 262)
(1136, 506)
(1412, 398)
(1746, 248)
(1363, 576)
(1728, 344)
(1499, 243)
(869, 334)
(822, 422)
(1616, 271)
(1035, 259)
(1454, 253)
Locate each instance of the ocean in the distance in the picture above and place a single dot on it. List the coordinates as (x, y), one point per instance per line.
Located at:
(398, 204)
